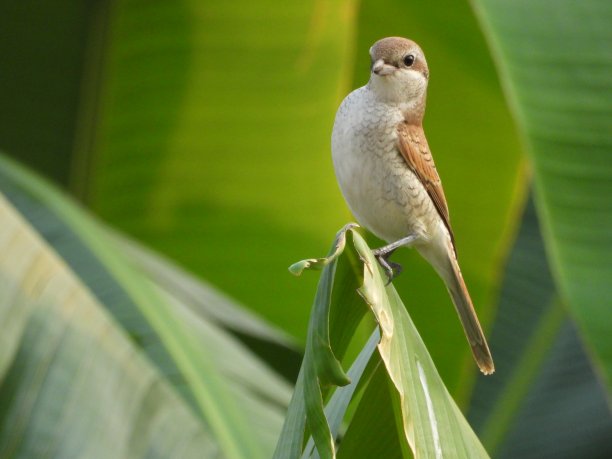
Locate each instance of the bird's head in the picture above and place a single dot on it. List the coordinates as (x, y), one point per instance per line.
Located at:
(399, 72)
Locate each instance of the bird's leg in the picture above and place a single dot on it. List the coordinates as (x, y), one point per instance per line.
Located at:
(391, 269)
(382, 254)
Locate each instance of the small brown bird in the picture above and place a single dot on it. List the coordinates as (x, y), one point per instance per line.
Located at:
(388, 178)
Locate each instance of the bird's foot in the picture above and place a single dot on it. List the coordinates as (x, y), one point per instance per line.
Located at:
(392, 269)
(382, 254)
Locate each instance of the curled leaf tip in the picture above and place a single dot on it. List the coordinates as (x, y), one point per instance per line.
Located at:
(297, 268)
(348, 226)
(319, 263)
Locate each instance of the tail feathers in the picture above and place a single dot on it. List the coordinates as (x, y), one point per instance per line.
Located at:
(463, 303)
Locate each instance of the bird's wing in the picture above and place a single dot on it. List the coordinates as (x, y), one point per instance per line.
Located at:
(413, 146)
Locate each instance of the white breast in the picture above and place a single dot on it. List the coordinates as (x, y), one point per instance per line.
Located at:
(382, 192)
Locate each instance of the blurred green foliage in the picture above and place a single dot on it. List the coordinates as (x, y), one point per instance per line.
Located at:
(202, 129)
(209, 140)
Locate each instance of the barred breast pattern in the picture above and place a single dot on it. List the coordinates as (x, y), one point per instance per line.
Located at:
(382, 192)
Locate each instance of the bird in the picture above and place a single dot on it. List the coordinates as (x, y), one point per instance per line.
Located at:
(386, 173)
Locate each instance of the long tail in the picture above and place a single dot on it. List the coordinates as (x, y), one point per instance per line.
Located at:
(441, 255)
(463, 303)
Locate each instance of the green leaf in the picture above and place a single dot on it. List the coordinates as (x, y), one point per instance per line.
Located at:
(321, 263)
(336, 407)
(432, 423)
(320, 365)
(213, 127)
(336, 313)
(544, 384)
(560, 94)
(211, 369)
(71, 381)
(292, 435)
(275, 347)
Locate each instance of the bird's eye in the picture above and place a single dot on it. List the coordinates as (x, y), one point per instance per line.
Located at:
(408, 60)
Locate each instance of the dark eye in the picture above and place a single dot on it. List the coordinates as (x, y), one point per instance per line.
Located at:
(408, 60)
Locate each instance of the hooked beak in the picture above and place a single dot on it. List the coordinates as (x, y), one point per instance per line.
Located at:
(380, 68)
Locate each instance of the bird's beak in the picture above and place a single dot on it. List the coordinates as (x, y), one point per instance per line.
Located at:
(380, 68)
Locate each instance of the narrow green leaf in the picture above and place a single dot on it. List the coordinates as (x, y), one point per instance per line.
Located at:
(320, 263)
(337, 405)
(201, 296)
(291, 438)
(320, 364)
(335, 315)
(318, 346)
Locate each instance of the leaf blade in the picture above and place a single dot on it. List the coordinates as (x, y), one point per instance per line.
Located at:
(50, 388)
(561, 100)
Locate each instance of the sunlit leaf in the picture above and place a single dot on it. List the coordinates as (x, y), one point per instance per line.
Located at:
(431, 423)
(209, 133)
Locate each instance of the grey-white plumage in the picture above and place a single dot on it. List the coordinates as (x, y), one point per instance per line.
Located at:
(384, 195)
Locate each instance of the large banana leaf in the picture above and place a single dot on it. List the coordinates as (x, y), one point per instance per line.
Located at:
(210, 131)
(72, 383)
(229, 390)
(554, 60)
(545, 400)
